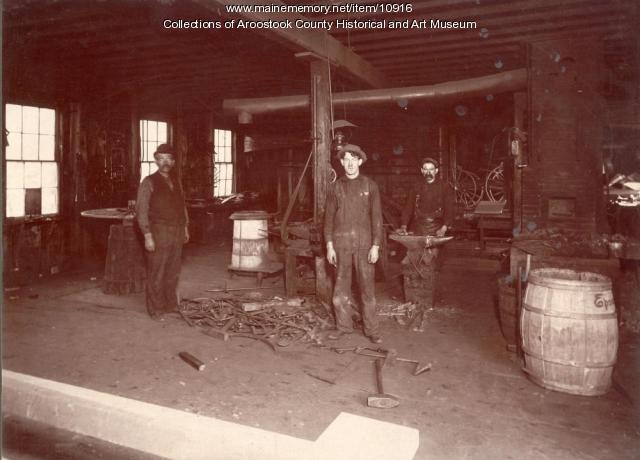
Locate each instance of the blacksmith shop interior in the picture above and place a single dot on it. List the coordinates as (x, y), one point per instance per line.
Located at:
(323, 230)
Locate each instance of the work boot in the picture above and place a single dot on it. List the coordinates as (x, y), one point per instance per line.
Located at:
(337, 335)
(157, 316)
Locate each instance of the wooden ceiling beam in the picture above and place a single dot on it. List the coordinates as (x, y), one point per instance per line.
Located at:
(318, 42)
(486, 68)
(220, 76)
(505, 59)
(214, 58)
(500, 25)
(521, 35)
(431, 6)
(482, 12)
(79, 30)
(484, 52)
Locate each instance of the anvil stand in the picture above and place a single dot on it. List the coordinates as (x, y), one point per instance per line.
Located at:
(419, 270)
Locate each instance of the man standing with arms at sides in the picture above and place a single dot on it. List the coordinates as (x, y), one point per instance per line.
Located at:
(353, 232)
(163, 219)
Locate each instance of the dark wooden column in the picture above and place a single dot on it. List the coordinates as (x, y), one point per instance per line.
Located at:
(519, 112)
(134, 156)
(321, 133)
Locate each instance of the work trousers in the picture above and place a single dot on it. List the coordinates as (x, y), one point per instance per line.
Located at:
(365, 277)
(163, 268)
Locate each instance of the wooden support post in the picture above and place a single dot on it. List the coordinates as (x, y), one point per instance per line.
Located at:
(447, 159)
(321, 131)
(519, 112)
(77, 187)
(134, 158)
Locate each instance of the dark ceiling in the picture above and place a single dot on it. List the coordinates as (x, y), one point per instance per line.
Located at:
(80, 46)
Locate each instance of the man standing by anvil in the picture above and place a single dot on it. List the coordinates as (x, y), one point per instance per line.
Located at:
(353, 232)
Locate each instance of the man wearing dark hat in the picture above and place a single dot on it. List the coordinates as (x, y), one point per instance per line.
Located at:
(163, 219)
(425, 203)
(353, 232)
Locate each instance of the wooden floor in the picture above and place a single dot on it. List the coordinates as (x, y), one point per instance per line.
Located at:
(474, 402)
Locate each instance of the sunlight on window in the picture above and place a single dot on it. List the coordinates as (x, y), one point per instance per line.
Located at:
(32, 173)
(152, 134)
(223, 162)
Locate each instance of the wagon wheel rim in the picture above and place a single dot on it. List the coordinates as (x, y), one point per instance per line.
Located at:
(466, 188)
(494, 184)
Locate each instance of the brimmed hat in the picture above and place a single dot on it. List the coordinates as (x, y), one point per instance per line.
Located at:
(164, 148)
(353, 150)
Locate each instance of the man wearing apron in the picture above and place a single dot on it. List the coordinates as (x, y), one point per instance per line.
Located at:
(425, 204)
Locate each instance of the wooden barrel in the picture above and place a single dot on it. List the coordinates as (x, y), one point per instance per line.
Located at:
(250, 239)
(569, 331)
(507, 310)
(124, 270)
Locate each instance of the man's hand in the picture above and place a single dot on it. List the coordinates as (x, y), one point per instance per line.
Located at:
(402, 230)
(186, 234)
(149, 244)
(331, 254)
(441, 231)
(373, 254)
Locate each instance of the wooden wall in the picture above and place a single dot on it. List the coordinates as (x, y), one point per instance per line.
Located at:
(97, 146)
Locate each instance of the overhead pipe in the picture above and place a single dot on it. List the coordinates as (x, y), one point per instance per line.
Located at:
(512, 80)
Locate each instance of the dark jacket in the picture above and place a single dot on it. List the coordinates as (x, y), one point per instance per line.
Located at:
(353, 217)
(425, 202)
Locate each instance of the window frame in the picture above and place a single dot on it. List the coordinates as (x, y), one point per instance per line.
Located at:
(57, 160)
(141, 161)
(232, 162)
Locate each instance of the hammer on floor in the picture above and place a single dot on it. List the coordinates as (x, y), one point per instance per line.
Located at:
(381, 400)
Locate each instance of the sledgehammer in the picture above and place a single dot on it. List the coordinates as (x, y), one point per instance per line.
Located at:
(381, 400)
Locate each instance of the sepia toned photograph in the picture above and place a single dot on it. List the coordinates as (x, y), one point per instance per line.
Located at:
(320, 229)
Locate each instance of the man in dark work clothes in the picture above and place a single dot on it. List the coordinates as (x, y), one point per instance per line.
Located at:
(353, 232)
(163, 219)
(425, 203)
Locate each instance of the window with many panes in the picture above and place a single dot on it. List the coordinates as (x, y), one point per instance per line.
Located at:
(152, 134)
(31, 186)
(222, 162)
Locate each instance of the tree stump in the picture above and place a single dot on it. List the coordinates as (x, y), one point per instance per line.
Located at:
(124, 271)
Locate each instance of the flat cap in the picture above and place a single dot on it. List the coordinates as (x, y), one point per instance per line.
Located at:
(353, 150)
(429, 160)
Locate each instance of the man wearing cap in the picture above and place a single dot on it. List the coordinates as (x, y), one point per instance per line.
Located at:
(425, 203)
(163, 219)
(353, 232)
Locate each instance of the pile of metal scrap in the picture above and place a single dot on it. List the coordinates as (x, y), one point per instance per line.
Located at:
(403, 313)
(563, 242)
(277, 323)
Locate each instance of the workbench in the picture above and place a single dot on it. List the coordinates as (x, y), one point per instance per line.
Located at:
(493, 218)
(494, 227)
